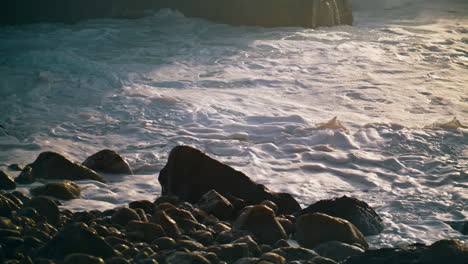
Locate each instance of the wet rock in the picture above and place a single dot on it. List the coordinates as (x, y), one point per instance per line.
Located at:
(46, 208)
(124, 215)
(355, 211)
(6, 182)
(287, 225)
(23, 197)
(65, 190)
(281, 243)
(13, 198)
(15, 167)
(337, 251)
(7, 206)
(321, 260)
(203, 236)
(51, 165)
(164, 243)
(230, 252)
(273, 258)
(254, 248)
(26, 176)
(295, 253)
(214, 203)
(190, 245)
(186, 258)
(76, 238)
(314, 229)
(79, 258)
(188, 167)
(108, 161)
(447, 250)
(247, 260)
(260, 220)
(168, 224)
(401, 255)
(144, 231)
(146, 205)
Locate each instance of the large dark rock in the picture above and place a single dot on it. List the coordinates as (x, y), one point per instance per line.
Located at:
(268, 13)
(51, 165)
(66, 190)
(76, 238)
(355, 211)
(26, 176)
(108, 161)
(260, 220)
(314, 229)
(6, 182)
(46, 208)
(190, 173)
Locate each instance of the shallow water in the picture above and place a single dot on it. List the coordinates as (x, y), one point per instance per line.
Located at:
(253, 97)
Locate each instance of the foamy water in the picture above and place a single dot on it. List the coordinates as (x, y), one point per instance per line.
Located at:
(254, 98)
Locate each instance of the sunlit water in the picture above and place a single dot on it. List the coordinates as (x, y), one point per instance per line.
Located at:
(252, 97)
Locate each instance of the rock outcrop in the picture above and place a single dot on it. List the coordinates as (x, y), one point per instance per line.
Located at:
(190, 173)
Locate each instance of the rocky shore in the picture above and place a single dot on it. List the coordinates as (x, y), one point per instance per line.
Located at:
(208, 213)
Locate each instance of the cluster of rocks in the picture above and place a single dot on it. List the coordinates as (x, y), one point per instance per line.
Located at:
(208, 213)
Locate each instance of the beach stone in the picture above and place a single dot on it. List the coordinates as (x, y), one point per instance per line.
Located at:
(26, 176)
(65, 190)
(80, 258)
(164, 243)
(23, 197)
(144, 231)
(314, 229)
(124, 215)
(337, 251)
(7, 206)
(281, 243)
(108, 161)
(444, 251)
(190, 245)
(287, 225)
(260, 220)
(6, 182)
(230, 252)
(186, 258)
(168, 224)
(203, 236)
(214, 203)
(46, 208)
(13, 198)
(30, 213)
(321, 260)
(15, 167)
(273, 258)
(358, 212)
(51, 165)
(254, 248)
(247, 260)
(146, 205)
(77, 238)
(117, 260)
(190, 173)
(295, 253)
(402, 255)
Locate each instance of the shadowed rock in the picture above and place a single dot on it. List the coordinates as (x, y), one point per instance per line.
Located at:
(338, 251)
(190, 173)
(108, 161)
(66, 190)
(46, 208)
(6, 182)
(26, 176)
(355, 211)
(7, 206)
(51, 165)
(214, 203)
(314, 229)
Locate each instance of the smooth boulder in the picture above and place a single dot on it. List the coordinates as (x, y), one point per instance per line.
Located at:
(358, 212)
(314, 229)
(51, 165)
(108, 161)
(65, 190)
(189, 174)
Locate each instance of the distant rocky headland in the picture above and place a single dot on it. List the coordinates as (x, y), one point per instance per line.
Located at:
(267, 13)
(208, 213)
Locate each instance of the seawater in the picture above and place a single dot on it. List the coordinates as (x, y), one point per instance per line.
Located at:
(253, 97)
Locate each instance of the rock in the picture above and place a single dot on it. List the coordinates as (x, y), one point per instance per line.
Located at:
(321, 260)
(13, 198)
(23, 197)
(273, 258)
(164, 243)
(51, 165)
(260, 220)
(230, 252)
(314, 229)
(168, 224)
(337, 251)
(76, 238)
(108, 161)
(247, 260)
(7, 206)
(124, 215)
(186, 258)
(15, 167)
(6, 223)
(254, 248)
(146, 205)
(144, 231)
(190, 173)
(66, 190)
(355, 211)
(214, 203)
(189, 244)
(30, 213)
(402, 255)
(203, 236)
(79, 258)
(26, 176)
(447, 250)
(46, 208)
(295, 253)
(281, 243)
(6, 182)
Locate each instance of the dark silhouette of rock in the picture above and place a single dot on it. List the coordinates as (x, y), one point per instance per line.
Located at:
(51, 165)
(190, 173)
(355, 211)
(66, 190)
(108, 161)
(260, 221)
(124, 215)
(76, 238)
(314, 229)
(446, 251)
(46, 208)
(6, 182)
(338, 251)
(214, 203)
(26, 176)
